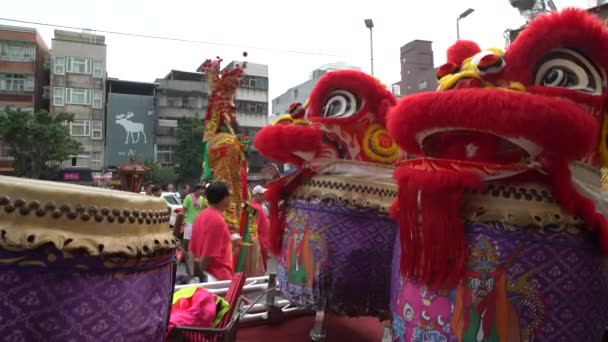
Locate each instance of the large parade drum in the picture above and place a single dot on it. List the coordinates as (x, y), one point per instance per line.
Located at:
(533, 273)
(82, 264)
(339, 239)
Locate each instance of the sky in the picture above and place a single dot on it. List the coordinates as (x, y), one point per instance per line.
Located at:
(323, 31)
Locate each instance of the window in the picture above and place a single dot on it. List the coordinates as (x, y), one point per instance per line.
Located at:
(80, 128)
(97, 99)
(165, 155)
(79, 65)
(59, 66)
(175, 102)
(422, 85)
(96, 130)
(97, 69)
(96, 160)
(295, 93)
(16, 51)
(81, 160)
(58, 96)
(252, 82)
(186, 103)
(16, 82)
(77, 96)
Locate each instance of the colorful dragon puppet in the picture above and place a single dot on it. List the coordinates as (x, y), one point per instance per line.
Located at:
(503, 215)
(343, 153)
(224, 158)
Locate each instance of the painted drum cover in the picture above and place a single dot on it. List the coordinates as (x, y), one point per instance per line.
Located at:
(337, 242)
(541, 281)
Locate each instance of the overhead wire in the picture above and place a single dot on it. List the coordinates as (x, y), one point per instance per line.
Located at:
(171, 38)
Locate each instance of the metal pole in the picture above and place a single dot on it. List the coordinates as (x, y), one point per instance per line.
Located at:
(371, 48)
(457, 28)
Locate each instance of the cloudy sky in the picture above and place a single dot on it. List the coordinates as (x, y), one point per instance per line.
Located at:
(322, 31)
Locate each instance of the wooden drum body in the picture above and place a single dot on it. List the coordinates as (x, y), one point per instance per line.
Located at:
(83, 264)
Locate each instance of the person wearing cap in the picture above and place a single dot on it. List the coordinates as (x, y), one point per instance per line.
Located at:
(261, 223)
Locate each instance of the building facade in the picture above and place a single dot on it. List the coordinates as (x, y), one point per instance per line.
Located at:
(23, 75)
(179, 94)
(251, 110)
(77, 86)
(300, 93)
(417, 68)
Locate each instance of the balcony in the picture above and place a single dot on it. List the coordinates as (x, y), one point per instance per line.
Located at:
(46, 92)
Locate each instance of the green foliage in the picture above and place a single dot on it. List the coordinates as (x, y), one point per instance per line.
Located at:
(189, 149)
(38, 141)
(160, 175)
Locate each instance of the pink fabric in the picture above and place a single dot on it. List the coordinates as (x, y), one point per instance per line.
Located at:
(196, 311)
(263, 230)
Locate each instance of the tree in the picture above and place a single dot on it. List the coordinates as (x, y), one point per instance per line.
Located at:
(160, 175)
(190, 149)
(38, 141)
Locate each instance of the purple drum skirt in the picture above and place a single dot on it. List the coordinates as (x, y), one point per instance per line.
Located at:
(532, 284)
(338, 253)
(49, 295)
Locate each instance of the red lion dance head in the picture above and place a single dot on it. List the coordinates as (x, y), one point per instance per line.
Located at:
(344, 120)
(534, 113)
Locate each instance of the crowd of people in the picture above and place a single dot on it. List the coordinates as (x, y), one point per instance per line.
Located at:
(211, 248)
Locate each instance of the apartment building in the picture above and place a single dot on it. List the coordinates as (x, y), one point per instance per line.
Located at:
(179, 94)
(417, 68)
(23, 76)
(300, 92)
(78, 82)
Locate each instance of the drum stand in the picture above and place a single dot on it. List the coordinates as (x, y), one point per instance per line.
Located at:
(317, 333)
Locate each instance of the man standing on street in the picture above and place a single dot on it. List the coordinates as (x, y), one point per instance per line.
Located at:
(193, 204)
(211, 243)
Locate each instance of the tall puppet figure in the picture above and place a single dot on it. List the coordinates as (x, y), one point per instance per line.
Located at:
(225, 158)
(502, 220)
(330, 228)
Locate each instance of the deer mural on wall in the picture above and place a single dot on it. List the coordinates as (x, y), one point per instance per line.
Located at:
(131, 127)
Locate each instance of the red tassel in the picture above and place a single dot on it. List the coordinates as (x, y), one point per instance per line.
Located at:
(433, 246)
(277, 192)
(574, 203)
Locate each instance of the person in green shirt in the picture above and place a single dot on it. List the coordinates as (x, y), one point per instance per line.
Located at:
(193, 204)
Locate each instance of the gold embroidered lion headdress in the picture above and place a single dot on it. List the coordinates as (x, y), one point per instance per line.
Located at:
(222, 89)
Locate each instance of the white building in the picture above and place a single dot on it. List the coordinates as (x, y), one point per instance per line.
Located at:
(300, 93)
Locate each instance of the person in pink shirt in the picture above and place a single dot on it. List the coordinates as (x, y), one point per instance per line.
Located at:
(211, 242)
(261, 221)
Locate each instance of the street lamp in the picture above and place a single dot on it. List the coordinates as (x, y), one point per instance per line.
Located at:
(462, 16)
(370, 25)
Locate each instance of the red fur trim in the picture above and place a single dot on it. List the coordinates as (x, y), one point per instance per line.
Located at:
(366, 87)
(278, 142)
(462, 50)
(574, 203)
(570, 28)
(433, 245)
(278, 191)
(504, 113)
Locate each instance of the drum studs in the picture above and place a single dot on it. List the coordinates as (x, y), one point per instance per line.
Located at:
(19, 203)
(34, 205)
(24, 211)
(9, 208)
(85, 216)
(4, 200)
